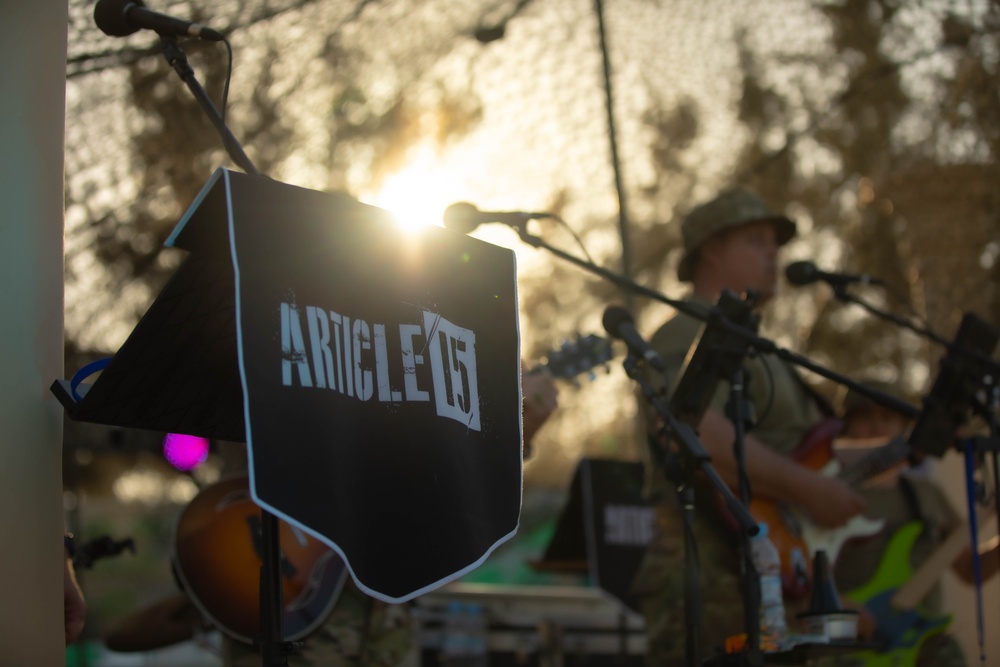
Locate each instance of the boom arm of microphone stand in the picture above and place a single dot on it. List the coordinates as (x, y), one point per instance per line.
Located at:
(178, 60)
(840, 291)
(694, 452)
(618, 279)
(770, 347)
(761, 344)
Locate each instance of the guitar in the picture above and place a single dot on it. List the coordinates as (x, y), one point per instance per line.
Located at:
(795, 536)
(894, 591)
(575, 358)
(217, 558)
(900, 632)
(565, 362)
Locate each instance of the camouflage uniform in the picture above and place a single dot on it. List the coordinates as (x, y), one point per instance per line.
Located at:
(787, 411)
(359, 632)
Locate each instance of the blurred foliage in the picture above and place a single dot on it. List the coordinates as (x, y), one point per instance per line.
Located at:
(874, 122)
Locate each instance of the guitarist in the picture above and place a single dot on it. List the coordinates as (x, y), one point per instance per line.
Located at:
(733, 242)
(898, 499)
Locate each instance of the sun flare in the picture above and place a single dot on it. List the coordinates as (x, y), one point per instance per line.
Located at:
(417, 194)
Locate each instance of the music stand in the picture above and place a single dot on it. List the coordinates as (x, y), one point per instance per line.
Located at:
(210, 358)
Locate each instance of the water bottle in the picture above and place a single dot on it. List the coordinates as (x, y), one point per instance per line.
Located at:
(767, 561)
(454, 640)
(477, 636)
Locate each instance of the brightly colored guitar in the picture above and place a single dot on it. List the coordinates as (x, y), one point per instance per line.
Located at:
(894, 592)
(900, 631)
(795, 536)
(217, 557)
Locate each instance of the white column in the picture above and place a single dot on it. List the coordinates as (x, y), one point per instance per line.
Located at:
(32, 119)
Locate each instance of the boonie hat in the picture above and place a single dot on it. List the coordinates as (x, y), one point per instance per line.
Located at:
(732, 208)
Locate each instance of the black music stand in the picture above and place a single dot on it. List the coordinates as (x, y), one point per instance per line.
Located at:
(208, 358)
(222, 353)
(178, 370)
(604, 528)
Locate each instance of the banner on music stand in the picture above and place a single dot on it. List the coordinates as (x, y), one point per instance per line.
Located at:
(374, 374)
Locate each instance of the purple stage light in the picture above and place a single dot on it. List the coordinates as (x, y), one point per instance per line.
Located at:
(185, 452)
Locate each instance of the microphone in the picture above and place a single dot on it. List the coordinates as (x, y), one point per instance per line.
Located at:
(463, 217)
(619, 323)
(119, 18)
(485, 35)
(804, 273)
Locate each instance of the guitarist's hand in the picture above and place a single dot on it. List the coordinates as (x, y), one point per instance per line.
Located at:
(866, 620)
(829, 502)
(541, 398)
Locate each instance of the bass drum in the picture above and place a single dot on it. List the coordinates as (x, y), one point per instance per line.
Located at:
(218, 555)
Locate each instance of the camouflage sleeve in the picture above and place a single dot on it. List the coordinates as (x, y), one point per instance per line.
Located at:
(359, 632)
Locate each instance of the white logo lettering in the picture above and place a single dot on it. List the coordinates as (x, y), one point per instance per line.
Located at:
(453, 367)
(367, 361)
(628, 525)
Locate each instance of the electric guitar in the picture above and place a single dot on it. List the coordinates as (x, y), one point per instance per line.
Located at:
(900, 632)
(217, 558)
(795, 536)
(894, 591)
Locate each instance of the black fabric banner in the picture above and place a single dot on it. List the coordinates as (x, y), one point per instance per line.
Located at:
(380, 377)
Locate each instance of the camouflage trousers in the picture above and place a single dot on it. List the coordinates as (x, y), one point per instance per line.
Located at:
(936, 651)
(659, 586)
(359, 632)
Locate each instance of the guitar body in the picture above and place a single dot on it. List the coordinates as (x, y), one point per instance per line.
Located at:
(900, 632)
(217, 557)
(796, 538)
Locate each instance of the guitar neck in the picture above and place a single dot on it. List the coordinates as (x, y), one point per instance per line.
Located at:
(879, 461)
(924, 579)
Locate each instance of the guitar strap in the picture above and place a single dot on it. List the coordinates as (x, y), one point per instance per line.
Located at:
(910, 494)
(821, 402)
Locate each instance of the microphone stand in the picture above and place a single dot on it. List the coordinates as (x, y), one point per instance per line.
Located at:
(840, 291)
(736, 335)
(760, 344)
(177, 59)
(966, 370)
(697, 457)
(629, 285)
(273, 649)
(681, 470)
(719, 356)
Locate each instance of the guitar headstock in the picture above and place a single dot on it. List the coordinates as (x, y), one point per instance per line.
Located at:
(574, 358)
